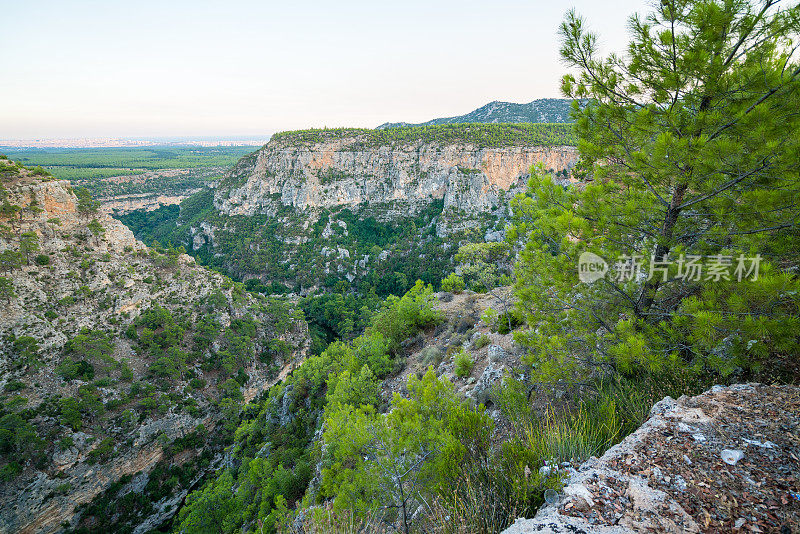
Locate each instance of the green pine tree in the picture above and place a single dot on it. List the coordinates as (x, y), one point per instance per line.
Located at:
(688, 148)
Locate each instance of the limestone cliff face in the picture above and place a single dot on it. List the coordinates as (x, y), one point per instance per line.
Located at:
(88, 276)
(124, 204)
(340, 172)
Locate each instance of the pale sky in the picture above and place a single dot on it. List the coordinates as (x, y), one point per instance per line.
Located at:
(174, 67)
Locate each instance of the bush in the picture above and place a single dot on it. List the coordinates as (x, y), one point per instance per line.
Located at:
(197, 383)
(27, 350)
(402, 317)
(42, 259)
(69, 369)
(508, 321)
(481, 342)
(14, 385)
(39, 171)
(463, 364)
(102, 452)
(10, 471)
(431, 356)
(374, 349)
(453, 283)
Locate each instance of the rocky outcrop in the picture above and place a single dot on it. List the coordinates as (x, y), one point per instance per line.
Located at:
(341, 172)
(124, 204)
(723, 461)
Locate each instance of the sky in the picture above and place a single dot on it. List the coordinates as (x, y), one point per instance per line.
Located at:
(240, 67)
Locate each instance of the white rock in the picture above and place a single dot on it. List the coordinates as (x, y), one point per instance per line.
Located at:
(731, 456)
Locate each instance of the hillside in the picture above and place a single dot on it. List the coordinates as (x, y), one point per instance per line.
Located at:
(543, 110)
(125, 367)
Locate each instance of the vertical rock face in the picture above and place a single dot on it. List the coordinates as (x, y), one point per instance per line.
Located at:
(342, 172)
(75, 284)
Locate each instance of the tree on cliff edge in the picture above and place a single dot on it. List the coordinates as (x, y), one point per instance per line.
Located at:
(689, 145)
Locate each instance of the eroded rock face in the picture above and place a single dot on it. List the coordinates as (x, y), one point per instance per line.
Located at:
(672, 476)
(334, 173)
(123, 204)
(94, 274)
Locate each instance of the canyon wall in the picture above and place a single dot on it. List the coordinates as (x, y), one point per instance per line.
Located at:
(339, 172)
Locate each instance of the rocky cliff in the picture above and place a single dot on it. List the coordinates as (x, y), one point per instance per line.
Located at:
(124, 204)
(341, 171)
(122, 368)
(723, 461)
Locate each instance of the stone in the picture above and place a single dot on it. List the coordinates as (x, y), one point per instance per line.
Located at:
(496, 353)
(483, 387)
(731, 456)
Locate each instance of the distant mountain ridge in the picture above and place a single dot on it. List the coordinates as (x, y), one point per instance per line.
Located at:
(541, 110)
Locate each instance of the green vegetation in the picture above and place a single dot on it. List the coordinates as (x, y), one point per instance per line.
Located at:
(718, 184)
(263, 246)
(688, 153)
(278, 473)
(453, 283)
(463, 364)
(478, 134)
(145, 158)
(688, 149)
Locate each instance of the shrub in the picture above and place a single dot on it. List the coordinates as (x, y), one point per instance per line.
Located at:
(463, 364)
(354, 390)
(39, 171)
(402, 317)
(481, 342)
(14, 385)
(489, 317)
(42, 259)
(431, 356)
(508, 321)
(69, 369)
(70, 413)
(94, 344)
(197, 383)
(10, 471)
(453, 283)
(102, 452)
(27, 350)
(374, 349)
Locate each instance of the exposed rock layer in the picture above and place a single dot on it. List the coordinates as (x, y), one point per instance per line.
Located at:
(339, 173)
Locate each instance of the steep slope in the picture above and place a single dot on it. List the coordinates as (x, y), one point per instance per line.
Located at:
(320, 206)
(123, 368)
(543, 110)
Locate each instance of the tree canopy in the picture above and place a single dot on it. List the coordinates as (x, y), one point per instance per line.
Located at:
(688, 149)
